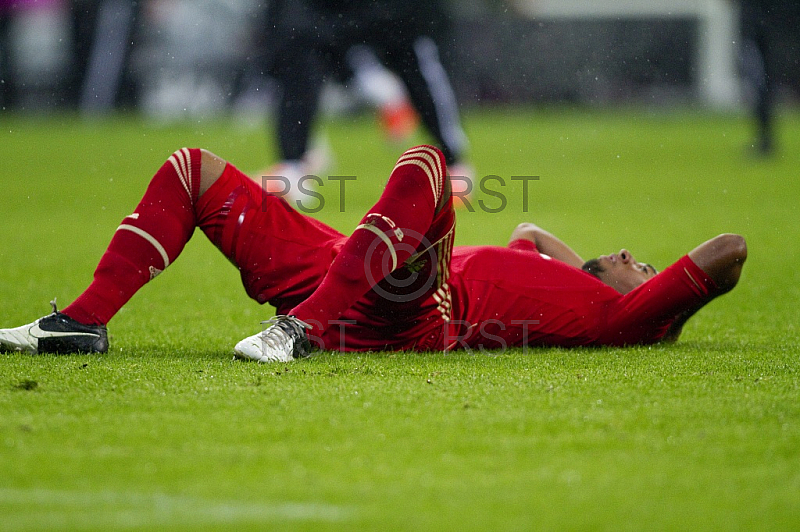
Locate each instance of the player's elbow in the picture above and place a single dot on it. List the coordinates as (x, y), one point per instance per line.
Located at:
(526, 231)
(733, 247)
(733, 253)
(526, 227)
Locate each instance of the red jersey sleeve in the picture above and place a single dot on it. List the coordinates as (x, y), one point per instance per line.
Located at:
(644, 314)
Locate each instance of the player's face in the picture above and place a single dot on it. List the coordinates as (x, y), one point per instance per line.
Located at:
(621, 271)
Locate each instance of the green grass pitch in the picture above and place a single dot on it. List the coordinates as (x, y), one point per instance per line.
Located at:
(167, 432)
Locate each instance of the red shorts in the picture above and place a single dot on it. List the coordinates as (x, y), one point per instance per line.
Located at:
(282, 254)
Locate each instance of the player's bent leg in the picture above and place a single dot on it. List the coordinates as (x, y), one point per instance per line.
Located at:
(55, 333)
(389, 234)
(146, 242)
(143, 246)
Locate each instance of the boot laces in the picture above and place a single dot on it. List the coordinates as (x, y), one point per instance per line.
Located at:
(282, 333)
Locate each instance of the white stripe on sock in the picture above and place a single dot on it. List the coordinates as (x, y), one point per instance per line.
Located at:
(179, 164)
(147, 236)
(433, 154)
(189, 176)
(385, 239)
(425, 167)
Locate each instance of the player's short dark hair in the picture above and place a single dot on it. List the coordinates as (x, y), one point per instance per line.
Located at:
(592, 266)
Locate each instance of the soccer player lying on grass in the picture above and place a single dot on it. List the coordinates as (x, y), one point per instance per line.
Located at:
(395, 284)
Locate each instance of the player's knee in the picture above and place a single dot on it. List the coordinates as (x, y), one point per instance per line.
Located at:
(211, 168)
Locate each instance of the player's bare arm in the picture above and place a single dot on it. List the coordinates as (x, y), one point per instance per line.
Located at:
(722, 259)
(547, 243)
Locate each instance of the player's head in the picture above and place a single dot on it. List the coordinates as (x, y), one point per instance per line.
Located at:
(620, 271)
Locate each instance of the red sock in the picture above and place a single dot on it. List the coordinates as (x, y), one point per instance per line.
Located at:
(146, 242)
(386, 237)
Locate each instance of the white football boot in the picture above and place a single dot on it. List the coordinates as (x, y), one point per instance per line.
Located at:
(284, 340)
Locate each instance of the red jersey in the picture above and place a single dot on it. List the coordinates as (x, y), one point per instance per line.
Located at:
(514, 296)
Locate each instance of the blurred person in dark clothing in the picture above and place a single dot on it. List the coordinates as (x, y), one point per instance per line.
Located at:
(6, 86)
(763, 22)
(103, 34)
(309, 41)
